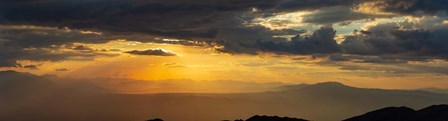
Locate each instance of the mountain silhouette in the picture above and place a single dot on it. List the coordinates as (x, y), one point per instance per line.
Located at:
(273, 118)
(328, 85)
(157, 119)
(432, 113)
(49, 98)
(17, 84)
(436, 90)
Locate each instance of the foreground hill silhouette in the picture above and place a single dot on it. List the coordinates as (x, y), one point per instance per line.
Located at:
(258, 118)
(432, 113)
(273, 118)
(45, 98)
(157, 119)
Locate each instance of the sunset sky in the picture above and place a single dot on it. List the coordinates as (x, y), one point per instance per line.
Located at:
(390, 44)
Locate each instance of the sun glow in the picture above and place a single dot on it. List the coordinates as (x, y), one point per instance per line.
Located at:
(204, 64)
(283, 20)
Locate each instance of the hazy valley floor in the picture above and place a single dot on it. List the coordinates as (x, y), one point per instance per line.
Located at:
(40, 99)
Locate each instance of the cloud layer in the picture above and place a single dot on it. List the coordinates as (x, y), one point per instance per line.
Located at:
(154, 52)
(228, 24)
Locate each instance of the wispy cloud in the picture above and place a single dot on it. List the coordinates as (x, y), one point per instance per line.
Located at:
(153, 52)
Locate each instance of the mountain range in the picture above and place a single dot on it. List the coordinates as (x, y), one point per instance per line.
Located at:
(432, 113)
(29, 97)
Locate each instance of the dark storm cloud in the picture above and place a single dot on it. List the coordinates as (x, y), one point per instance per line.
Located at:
(389, 39)
(186, 19)
(411, 7)
(321, 41)
(45, 44)
(244, 40)
(10, 55)
(211, 21)
(381, 59)
(336, 14)
(33, 36)
(291, 5)
(153, 52)
(175, 18)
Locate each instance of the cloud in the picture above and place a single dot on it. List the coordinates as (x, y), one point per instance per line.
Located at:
(34, 67)
(244, 40)
(387, 65)
(409, 7)
(321, 41)
(294, 5)
(11, 55)
(174, 65)
(182, 18)
(38, 37)
(82, 48)
(226, 24)
(153, 52)
(381, 59)
(62, 69)
(336, 14)
(203, 20)
(36, 43)
(176, 18)
(424, 38)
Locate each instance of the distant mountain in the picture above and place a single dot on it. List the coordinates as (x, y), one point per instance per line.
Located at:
(432, 113)
(16, 84)
(30, 97)
(331, 101)
(12, 81)
(318, 85)
(436, 90)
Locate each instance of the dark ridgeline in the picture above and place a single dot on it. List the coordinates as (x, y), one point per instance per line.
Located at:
(157, 119)
(258, 118)
(432, 113)
(273, 118)
(386, 114)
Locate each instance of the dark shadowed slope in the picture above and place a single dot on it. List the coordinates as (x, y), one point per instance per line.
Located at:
(386, 114)
(432, 113)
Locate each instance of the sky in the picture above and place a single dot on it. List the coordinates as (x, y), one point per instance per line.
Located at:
(388, 44)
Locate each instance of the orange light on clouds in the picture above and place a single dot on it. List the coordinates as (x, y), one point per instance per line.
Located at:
(204, 64)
